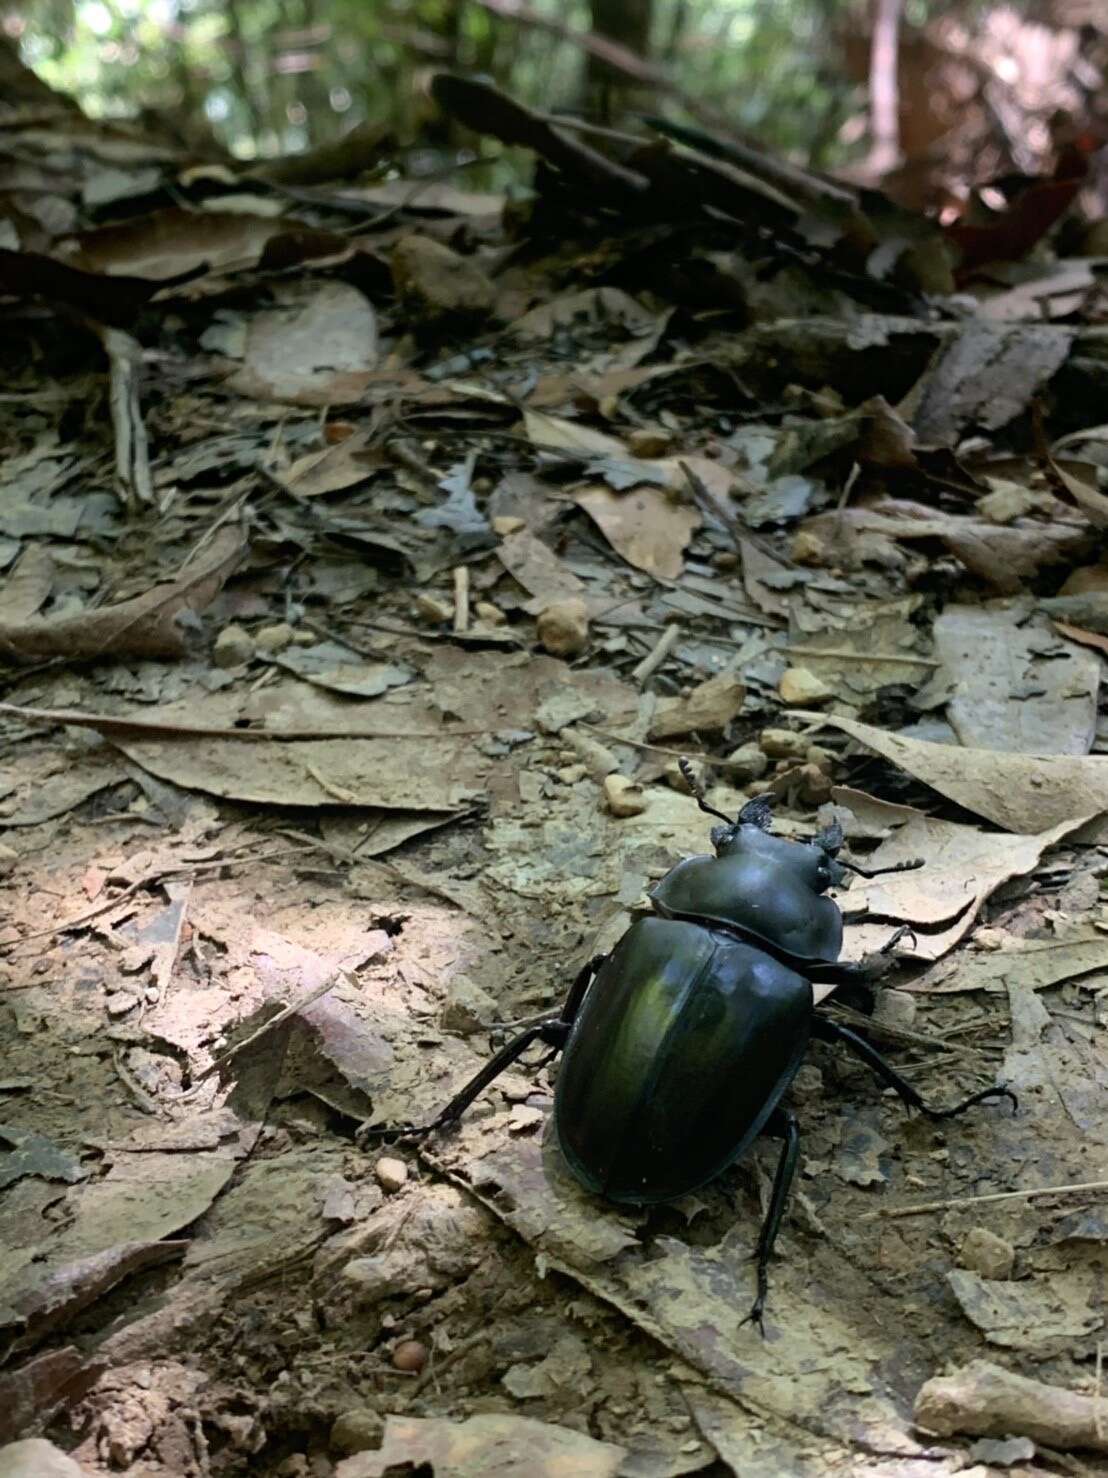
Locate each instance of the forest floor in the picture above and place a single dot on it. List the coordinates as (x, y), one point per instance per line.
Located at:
(362, 588)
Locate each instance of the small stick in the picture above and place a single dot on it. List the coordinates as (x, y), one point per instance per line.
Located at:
(1046, 1190)
(461, 598)
(657, 654)
(843, 654)
(268, 1026)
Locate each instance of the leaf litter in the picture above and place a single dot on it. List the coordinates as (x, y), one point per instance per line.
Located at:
(309, 800)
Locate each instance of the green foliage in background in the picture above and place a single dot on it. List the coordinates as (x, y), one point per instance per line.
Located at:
(272, 76)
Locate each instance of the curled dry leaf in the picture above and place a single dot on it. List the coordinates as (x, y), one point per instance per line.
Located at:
(645, 526)
(145, 626)
(1021, 792)
(964, 866)
(491, 1443)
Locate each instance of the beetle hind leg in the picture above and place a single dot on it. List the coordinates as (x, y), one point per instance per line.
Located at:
(552, 1032)
(831, 1031)
(781, 1125)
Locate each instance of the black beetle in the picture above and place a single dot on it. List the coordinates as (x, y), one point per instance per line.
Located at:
(678, 1046)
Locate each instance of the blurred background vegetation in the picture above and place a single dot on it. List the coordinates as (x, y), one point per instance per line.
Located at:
(882, 89)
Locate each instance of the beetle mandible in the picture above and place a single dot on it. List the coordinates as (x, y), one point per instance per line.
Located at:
(678, 1046)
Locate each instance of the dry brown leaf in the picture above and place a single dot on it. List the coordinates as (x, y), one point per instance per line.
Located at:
(1004, 557)
(986, 377)
(481, 1446)
(538, 569)
(1021, 792)
(316, 346)
(145, 626)
(173, 241)
(963, 867)
(556, 434)
(645, 526)
(27, 586)
(1012, 684)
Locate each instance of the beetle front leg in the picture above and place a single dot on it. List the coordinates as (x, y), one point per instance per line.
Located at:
(781, 1125)
(831, 1031)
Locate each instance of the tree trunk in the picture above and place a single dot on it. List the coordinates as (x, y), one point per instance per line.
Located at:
(608, 93)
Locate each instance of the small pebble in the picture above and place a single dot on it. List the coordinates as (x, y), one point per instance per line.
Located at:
(273, 638)
(506, 524)
(484, 610)
(746, 763)
(986, 1254)
(783, 744)
(563, 627)
(433, 610)
(391, 1173)
(409, 1355)
(799, 688)
(357, 1430)
(234, 646)
(649, 441)
(623, 796)
(120, 1002)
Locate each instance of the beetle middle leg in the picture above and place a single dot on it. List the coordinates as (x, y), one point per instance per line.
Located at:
(553, 1033)
(830, 1031)
(780, 1125)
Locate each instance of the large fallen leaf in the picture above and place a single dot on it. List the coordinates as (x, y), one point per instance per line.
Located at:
(645, 526)
(170, 242)
(1021, 792)
(986, 377)
(1015, 685)
(315, 347)
(553, 433)
(1032, 963)
(538, 569)
(963, 867)
(494, 1445)
(1005, 557)
(146, 626)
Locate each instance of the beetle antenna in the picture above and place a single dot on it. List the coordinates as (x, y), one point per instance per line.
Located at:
(698, 791)
(876, 872)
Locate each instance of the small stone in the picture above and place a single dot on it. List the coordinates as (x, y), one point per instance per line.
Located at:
(507, 523)
(120, 1002)
(725, 560)
(815, 755)
(986, 1254)
(649, 441)
(432, 610)
(623, 796)
(747, 763)
(468, 1007)
(990, 939)
(391, 1173)
(233, 647)
(484, 610)
(800, 688)
(34, 1457)
(358, 1430)
(410, 1355)
(895, 1008)
(303, 638)
(783, 744)
(8, 856)
(815, 785)
(1006, 502)
(437, 283)
(809, 549)
(571, 774)
(275, 638)
(564, 627)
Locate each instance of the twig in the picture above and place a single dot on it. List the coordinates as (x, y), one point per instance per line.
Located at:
(461, 599)
(104, 724)
(1046, 1190)
(843, 654)
(268, 1026)
(658, 653)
